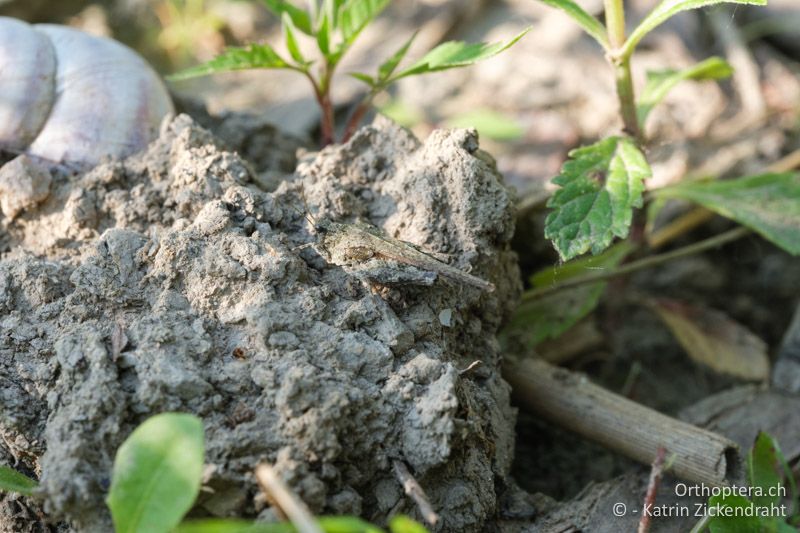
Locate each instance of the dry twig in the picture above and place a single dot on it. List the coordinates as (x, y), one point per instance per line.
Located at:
(413, 489)
(293, 507)
(652, 488)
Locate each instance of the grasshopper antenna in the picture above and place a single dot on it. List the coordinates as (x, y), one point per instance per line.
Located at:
(307, 214)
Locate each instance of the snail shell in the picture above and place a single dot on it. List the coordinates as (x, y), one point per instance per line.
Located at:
(67, 96)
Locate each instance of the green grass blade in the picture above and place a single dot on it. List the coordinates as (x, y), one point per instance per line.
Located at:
(590, 24)
(13, 481)
(156, 475)
(667, 9)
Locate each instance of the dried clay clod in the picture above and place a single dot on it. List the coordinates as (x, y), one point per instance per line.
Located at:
(171, 282)
(23, 184)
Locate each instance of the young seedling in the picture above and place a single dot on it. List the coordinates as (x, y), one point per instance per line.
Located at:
(601, 185)
(334, 25)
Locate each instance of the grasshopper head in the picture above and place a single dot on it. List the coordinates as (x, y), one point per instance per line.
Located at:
(323, 226)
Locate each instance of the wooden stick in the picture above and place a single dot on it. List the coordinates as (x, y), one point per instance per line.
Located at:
(573, 402)
(413, 489)
(276, 490)
(656, 472)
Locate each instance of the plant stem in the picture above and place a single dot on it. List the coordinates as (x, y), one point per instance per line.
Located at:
(324, 100)
(357, 116)
(647, 262)
(656, 472)
(680, 226)
(327, 121)
(615, 22)
(627, 99)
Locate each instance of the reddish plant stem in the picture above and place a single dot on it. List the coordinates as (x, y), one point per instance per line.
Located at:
(356, 117)
(323, 96)
(656, 472)
(327, 122)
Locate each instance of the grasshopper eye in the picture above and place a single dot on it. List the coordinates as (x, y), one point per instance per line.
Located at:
(323, 226)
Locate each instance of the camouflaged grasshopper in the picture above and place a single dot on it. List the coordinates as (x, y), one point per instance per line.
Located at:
(354, 245)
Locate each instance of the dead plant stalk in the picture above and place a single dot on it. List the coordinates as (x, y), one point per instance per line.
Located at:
(573, 402)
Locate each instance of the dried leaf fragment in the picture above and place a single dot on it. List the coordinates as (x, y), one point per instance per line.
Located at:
(715, 340)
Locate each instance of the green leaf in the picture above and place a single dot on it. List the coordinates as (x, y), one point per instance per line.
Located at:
(764, 470)
(767, 203)
(665, 10)
(600, 186)
(346, 524)
(738, 522)
(324, 35)
(366, 78)
(236, 58)
(354, 15)
(388, 67)
(332, 8)
(291, 40)
(659, 83)
(403, 524)
(454, 54)
(156, 474)
(550, 316)
(300, 18)
(329, 524)
(490, 124)
(590, 24)
(13, 481)
(222, 525)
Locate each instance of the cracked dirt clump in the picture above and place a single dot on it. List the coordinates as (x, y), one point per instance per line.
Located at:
(171, 282)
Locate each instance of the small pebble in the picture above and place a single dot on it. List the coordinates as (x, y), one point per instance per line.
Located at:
(446, 317)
